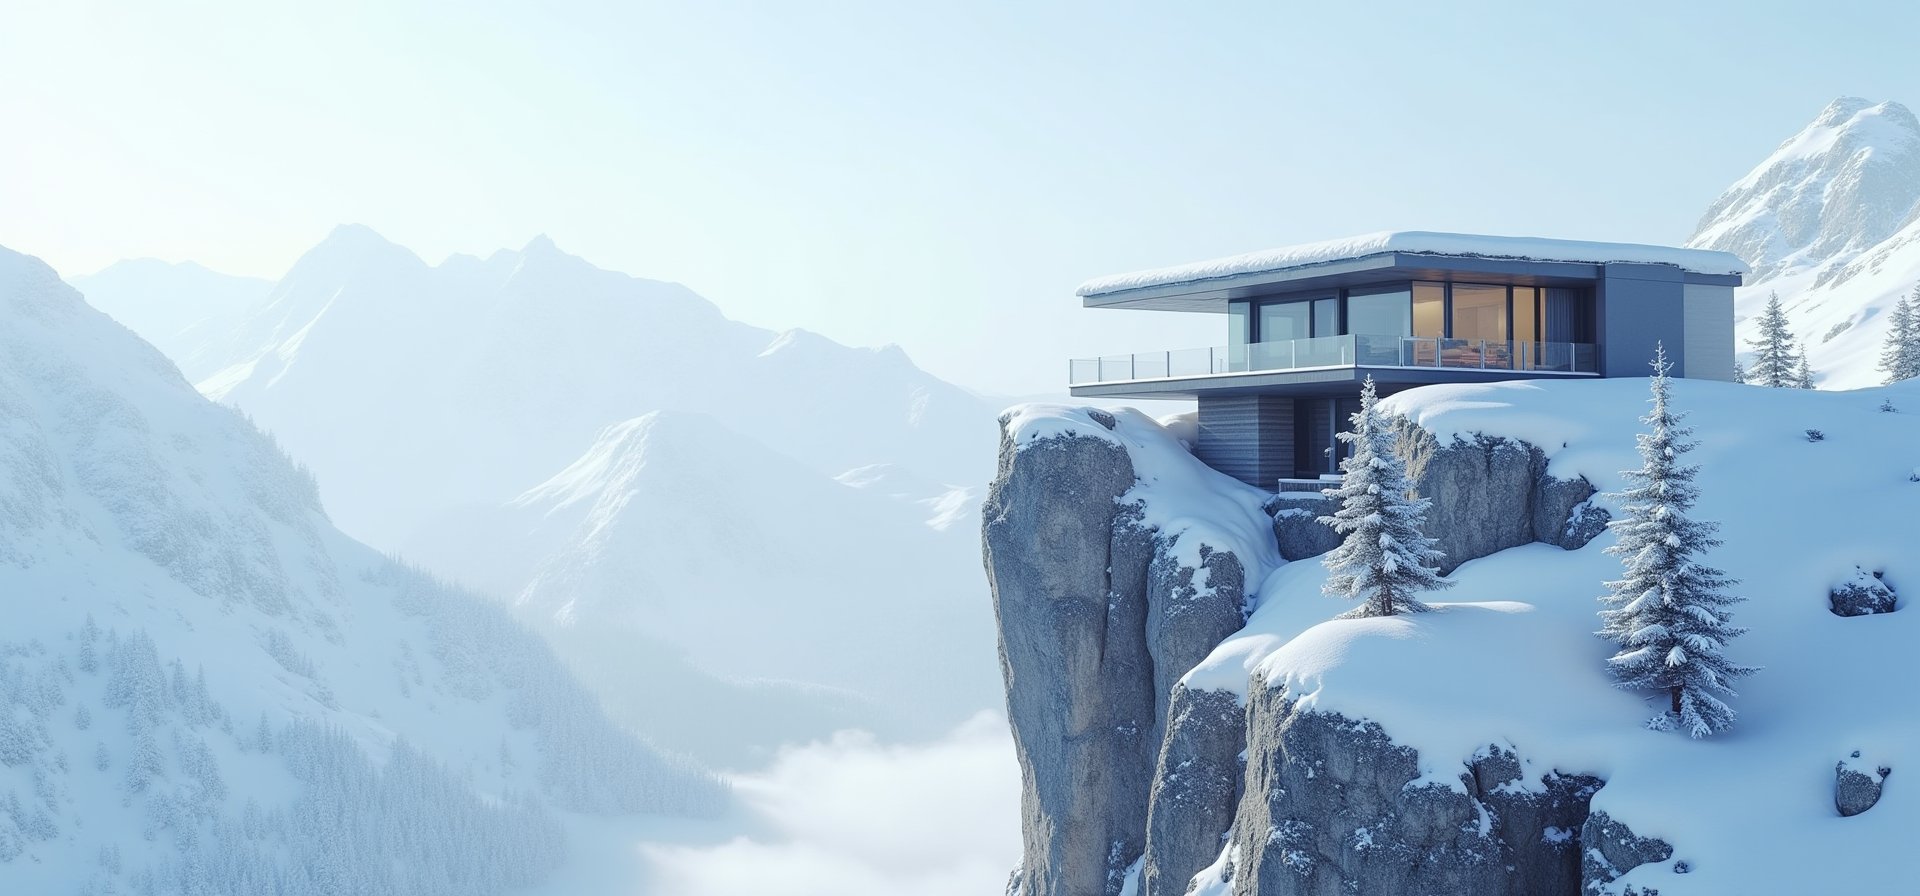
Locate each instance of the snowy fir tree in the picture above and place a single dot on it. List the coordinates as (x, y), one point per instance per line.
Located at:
(1668, 613)
(1385, 559)
(1775, 358)
(1900, 355)
(1803, 373)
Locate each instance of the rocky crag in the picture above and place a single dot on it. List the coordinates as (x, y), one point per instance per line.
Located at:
(1489, 494)
(1132, 780)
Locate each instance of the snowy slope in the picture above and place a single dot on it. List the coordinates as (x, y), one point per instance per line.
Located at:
(411, 389)
(188, 312)
(205, 687)
(1511, 659)
(672, 526)
(1830, 221)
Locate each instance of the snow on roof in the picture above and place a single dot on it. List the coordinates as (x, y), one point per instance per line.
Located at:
(1420, 242)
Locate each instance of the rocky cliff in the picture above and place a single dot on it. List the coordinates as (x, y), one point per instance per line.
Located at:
(1099, 613)
(1138, 780)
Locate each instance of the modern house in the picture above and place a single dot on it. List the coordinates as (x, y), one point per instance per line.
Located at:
(1306, 324)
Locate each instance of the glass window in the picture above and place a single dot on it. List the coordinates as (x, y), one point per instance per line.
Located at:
(1526, 328)
(1281, 321)
(1326, 317)
(1479, 312)
(1239, 333)
(1430, 310)
(1380, 312)
(1526, 315)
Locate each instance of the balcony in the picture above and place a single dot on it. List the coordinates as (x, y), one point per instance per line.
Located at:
(1574, 358)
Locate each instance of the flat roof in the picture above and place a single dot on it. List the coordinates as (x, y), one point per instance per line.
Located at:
(1206, 275)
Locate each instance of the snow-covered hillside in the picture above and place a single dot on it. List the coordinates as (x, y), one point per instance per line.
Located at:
(1830, 221)
(1510, 660)
(205, 687)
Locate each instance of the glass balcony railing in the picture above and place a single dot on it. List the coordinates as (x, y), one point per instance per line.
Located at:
(1338, 351)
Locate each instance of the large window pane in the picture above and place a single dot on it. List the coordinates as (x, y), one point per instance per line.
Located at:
(1430, 310)
(1479, 312)
(1526, 326)
(1282, 321)
(1326, 317)
(1380, 312)
(1526, 316)
(1239, 333)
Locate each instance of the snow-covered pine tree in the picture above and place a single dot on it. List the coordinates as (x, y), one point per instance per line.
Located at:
(1739, 373)
(1385, 560)
(1900, 354)
(1774, 354)
(1668, 612)
(1803, 373)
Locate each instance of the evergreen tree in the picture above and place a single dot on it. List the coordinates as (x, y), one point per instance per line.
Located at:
(1900, 355)
(1774, 353)
(1385, 559)
(1803, 374)
(1668, 612)
(1739, 373)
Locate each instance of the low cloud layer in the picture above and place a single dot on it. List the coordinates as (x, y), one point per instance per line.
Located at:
(855, 817)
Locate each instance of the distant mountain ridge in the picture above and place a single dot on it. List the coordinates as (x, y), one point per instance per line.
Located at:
(1831, 222)
(483, 376)
(187, 311)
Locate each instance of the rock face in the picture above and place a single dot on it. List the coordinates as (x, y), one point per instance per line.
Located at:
(1098, 619)
(1856, 787)
(1489, 494)
(1612, 849)
(1297, 528)
(1863, 594)
(1332, 806)
(1196, 787)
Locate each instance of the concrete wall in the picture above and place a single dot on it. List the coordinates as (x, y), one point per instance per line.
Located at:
(1639, 305)
(1248, 437)
(1708, 314)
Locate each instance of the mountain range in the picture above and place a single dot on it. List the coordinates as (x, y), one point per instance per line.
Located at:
(637, 475)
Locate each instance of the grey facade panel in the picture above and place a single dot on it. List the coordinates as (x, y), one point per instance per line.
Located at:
(1248, 437)
(1709, 338)
(1639, 305)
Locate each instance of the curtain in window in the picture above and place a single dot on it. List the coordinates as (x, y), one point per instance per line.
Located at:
(1558, 323)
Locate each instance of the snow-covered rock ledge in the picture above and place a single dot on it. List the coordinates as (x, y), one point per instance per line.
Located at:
(1445, 720)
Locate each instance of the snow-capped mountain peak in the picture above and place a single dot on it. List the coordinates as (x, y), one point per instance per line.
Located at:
(1844, 183)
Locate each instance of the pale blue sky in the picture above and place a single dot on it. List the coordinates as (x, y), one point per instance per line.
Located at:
(940, 175)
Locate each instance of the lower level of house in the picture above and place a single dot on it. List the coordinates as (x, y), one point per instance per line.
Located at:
(1263, 439)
